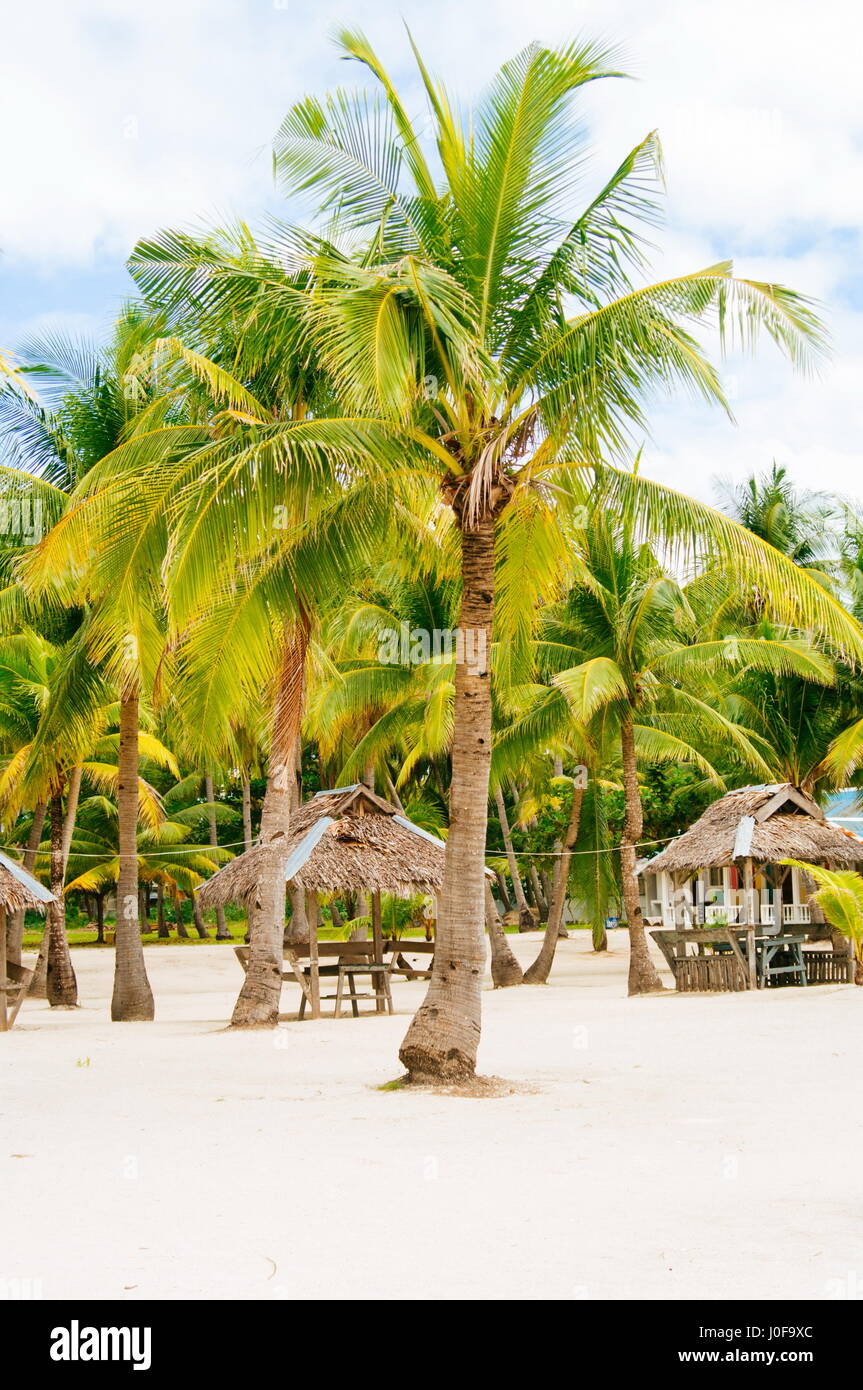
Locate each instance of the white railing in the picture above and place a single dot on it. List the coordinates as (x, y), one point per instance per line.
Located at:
(718, 912)
(795, 913)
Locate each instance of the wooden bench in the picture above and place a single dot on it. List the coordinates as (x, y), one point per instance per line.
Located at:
(340, 949)
(413, 948)
(331, 955)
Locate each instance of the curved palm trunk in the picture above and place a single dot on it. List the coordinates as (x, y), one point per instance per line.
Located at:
(442, 1041)
(505, 969)
(257, 1004)
(502, 889)
(643, 976)
(247, 810)
(538, 973)
(526, 922)
(538, 894)
(60, 983)
(73, 793)
(161, 925)
(132, 1000)
(222, 933)
(198, 918)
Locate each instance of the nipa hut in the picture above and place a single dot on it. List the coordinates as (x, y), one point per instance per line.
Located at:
(727, 866)
(18, 890)
(341, 841)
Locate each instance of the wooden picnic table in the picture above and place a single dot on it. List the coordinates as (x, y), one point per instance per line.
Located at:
(305, 968)
(754, 949)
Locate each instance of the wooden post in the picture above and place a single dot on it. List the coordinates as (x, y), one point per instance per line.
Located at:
(749, 892)
(2, 969)
(378, 949)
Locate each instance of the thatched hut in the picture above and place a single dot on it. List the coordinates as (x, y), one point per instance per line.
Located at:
(339, 841)
(727, 866)
(18, 890)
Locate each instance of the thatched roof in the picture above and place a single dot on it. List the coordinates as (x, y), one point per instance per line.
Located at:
(18, 888)
(342, 841)
(766, 824)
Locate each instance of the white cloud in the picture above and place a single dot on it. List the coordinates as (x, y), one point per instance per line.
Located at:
(120, 119)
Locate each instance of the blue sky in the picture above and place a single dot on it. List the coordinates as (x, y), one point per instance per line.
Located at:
(119, 120)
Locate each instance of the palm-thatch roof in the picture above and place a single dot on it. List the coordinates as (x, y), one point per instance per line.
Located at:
(340, 841)
(18, 888)
(766, 824)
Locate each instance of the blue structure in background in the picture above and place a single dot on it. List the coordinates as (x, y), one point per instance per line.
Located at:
(846, 809)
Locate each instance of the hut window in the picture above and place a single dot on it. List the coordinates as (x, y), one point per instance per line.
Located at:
(715, 878)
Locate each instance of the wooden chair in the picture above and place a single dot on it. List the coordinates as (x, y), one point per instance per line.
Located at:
(348, 973)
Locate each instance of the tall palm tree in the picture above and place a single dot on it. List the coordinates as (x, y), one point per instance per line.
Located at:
(509, 331)
(89, 399)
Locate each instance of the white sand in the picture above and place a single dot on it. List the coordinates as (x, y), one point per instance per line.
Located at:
(675, 1147)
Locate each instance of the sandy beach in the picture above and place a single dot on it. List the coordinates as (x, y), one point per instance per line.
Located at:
(667, 1147)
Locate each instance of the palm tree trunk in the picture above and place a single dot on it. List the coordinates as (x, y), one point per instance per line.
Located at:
(547, 891)
(363, 909)
(100, 919)
(538, 973)
(73, 793)
(505, 969)
(298, 928)
(526, 922)
(538, 895)
(61, 985)
(643, 976)
(394, 796)
(198, 918)
(132, 1000)
(161, 925)
(442, 1041)
(257, 1004)
(222, 933)
(247, 810)
(502, 889)
(15, 920)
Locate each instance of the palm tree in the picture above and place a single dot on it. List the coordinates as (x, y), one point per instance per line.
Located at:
(166, 850)
(455, 318)
(90, 398)
(41, 764)
(266, 514)
(800, 524)
(624, 664)
(449, 337)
